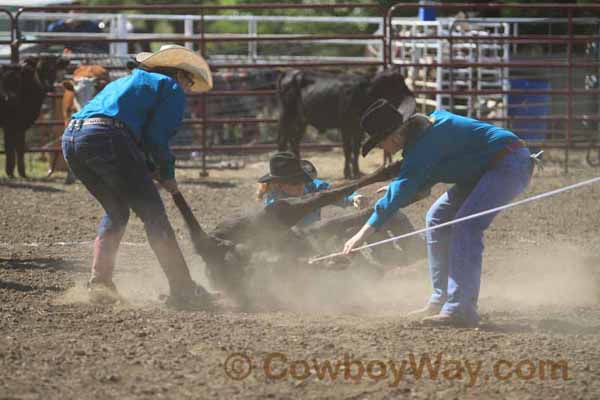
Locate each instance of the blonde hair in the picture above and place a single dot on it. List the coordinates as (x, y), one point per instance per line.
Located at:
(262, 189)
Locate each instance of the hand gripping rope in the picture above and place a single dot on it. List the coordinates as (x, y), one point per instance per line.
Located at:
(479, 214)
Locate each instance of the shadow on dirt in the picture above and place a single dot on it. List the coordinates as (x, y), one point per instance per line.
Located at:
(51, 264)
(25, 185)
(209, 184)
(565, 327)
(19, 287)
(554, 326)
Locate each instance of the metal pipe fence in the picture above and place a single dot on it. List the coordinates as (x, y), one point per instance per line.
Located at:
(449, 66)
(203, 38)
(460, 59)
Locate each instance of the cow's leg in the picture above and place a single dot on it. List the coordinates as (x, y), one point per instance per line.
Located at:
(356, 142)
(284, 130)
(296, 139)
(9, 148)
(291, 130)
(20, 150)
(282, 142)
(347, 145)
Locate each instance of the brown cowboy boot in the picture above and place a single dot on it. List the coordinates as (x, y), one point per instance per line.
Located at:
(100, 286)
(427, 311)
(185, 294)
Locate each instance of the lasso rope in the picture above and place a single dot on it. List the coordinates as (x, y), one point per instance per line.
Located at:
(455, 221)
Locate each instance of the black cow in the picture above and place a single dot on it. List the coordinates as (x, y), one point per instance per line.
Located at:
(326, 101)
(23, 90)
(228, 249)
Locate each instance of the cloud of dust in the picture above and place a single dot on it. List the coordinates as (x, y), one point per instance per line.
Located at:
(138, 277)
(552, 275)
(556, 275)
(75, 294)
(359, 289)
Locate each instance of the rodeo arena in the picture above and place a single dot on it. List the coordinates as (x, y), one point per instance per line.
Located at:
(300, 200)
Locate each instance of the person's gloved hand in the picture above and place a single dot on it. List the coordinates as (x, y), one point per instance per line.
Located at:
(170, 185)
(359, 201)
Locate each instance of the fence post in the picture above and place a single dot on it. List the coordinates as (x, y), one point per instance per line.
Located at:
(188, 29)
(252, 45)
(203, 130)
(15, 36)
(118, 29)
(569, 88)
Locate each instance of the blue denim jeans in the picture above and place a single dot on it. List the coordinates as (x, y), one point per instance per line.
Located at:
(455, 252)
(113, 169)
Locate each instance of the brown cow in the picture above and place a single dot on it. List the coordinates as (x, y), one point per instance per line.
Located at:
(86, 82)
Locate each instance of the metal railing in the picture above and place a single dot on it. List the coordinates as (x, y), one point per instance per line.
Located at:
(568, 65)
(196, 35)
(203, 38)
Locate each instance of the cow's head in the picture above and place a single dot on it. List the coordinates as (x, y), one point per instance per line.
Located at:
(10, 83)
(48, 69)
(389, 84)
(87, 81)
(84, 88)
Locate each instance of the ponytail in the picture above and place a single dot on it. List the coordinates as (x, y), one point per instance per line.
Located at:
(262, 189)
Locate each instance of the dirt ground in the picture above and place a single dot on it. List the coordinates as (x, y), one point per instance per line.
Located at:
(341, 334)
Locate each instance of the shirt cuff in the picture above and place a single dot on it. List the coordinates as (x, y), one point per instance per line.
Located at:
(167, 170)
(375, 220)
(349, 200)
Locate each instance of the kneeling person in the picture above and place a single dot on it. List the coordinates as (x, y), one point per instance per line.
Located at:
(290, 177)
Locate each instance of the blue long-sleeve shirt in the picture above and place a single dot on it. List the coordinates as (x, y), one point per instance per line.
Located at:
(151, 105)
(314, 186)
(454, 149)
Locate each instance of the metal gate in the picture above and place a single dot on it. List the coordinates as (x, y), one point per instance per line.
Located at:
(478, 65)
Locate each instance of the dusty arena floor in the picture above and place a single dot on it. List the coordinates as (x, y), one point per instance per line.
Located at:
(342, 334)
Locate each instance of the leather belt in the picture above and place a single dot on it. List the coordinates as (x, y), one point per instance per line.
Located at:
(78, 123)
(97, 121)
(506, 150)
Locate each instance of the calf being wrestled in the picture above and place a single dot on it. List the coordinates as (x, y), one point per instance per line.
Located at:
(228, 248)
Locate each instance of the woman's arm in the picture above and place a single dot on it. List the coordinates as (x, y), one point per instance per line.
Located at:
(362, 235)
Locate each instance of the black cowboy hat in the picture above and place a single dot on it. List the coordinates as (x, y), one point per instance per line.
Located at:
(287, 168)
(382, 119)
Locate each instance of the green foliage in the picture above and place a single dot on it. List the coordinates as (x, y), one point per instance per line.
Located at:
(283, 28)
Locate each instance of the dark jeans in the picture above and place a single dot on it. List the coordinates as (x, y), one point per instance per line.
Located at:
(113, 169)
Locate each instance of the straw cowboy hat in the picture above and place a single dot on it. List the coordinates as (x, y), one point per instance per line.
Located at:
(382, 119)
(174, 56)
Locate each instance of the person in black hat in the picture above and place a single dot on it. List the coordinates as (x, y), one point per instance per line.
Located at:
(290, 177)
(488, 166)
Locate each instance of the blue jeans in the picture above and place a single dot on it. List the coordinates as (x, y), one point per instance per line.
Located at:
(113, 169)
(455, 252)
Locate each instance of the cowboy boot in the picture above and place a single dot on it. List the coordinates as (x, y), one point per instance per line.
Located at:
(100, 286)
(429, 310)
(185, 294)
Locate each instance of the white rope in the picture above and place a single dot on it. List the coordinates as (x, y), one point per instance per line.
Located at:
(479, 214)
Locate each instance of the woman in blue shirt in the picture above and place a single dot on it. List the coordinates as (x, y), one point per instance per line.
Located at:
(110, 143)
(488, 166)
